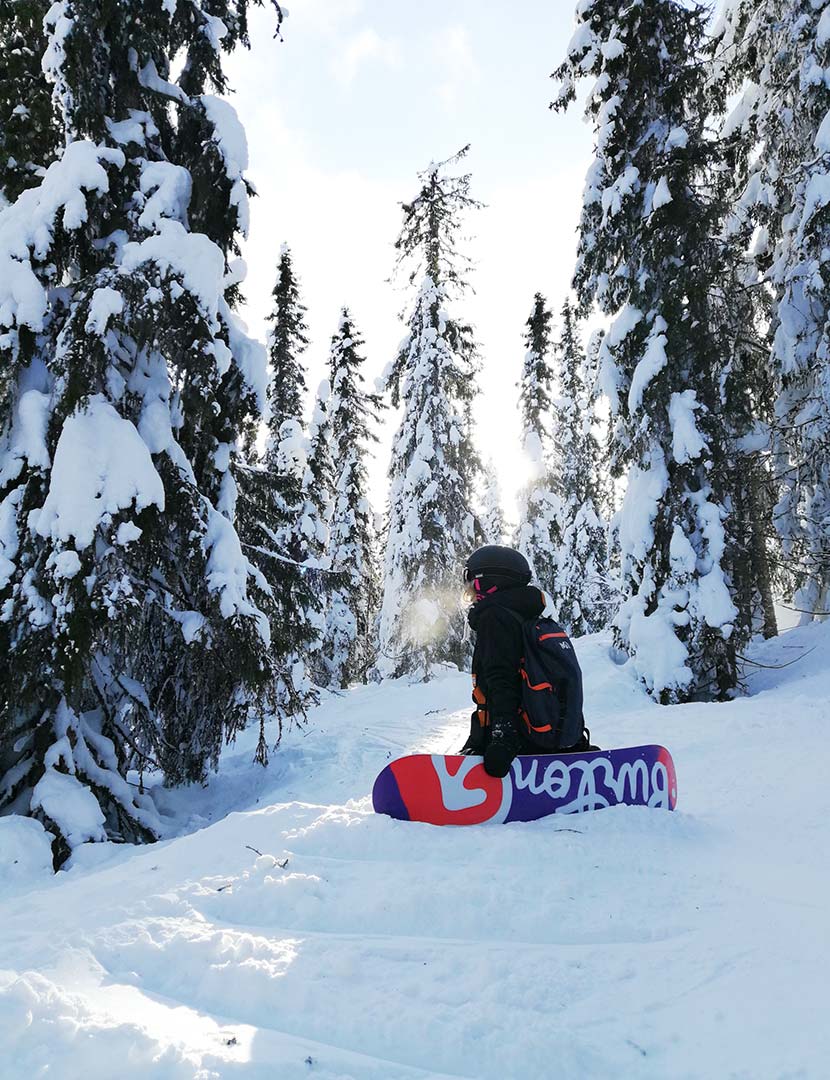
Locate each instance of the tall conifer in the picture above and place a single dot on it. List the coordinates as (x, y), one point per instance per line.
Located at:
(538, 535)
(432, 526)
(287, 341)
(774, 55)
(349, 645)
(584, 593)
(273, 508)
(646, 251)
(135, 632)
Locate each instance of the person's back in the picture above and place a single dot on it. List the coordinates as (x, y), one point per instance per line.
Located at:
(499, 579)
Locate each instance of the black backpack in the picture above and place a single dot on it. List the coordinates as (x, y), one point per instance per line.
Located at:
(551, 709)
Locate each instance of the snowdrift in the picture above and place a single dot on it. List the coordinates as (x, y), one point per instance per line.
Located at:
(284, 930)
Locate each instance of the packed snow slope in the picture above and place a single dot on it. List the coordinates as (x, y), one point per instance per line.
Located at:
(288, 932)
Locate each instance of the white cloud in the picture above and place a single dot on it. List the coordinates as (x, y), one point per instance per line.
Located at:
(454, 58)
(365, 45)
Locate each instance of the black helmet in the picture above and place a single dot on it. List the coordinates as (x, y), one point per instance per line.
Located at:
(502, 566)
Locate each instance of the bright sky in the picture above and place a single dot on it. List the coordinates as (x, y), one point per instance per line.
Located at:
(358, 97)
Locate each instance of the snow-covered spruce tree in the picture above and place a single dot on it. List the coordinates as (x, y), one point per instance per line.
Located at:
(584, 592)
(493, 521)
(29, 138)
(647, 248)
(134, 632)
(293, 522)
(349, 643)
(538, 535)
(287, 342)
(780, 51)
(275, 522)
(432, 526)
(743, 301)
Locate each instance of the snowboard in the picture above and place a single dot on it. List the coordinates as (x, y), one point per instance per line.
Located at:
(454, 789)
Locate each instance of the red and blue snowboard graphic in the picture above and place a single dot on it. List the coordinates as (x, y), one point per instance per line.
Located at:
(455, 789)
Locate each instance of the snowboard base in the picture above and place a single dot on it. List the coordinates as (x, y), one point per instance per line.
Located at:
(454, 789)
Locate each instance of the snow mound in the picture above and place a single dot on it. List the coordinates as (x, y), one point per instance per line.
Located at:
(25, 854)
(290, 932)
(44, 1027)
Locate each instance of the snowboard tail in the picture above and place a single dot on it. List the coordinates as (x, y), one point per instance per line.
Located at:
(454, 789)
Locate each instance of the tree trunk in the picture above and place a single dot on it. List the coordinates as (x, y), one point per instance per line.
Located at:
(760, 559)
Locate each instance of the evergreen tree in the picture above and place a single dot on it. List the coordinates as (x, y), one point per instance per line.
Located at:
(285, 460)
(286, 514)
(779, 51)
(742, 313)
(349, 646)
(647, 246)
(584, 593)
(535, 397)
(135, 633)
(311, 534)
(280, 525)
(493, 522)
(275, 519)
(432, 526)
(287, 342)
(742, 301)
(538, 535)
(29, 138)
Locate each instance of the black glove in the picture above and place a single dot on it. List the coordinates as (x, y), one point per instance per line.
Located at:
(504, 745)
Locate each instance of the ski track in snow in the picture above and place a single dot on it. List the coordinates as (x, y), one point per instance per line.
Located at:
(622, 943)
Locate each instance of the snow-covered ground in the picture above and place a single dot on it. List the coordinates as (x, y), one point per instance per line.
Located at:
(623, 943)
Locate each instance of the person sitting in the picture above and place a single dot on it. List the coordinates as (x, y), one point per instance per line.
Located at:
(498, 580)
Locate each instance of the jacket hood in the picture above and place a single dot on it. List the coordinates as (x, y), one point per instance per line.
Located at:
(526, 600)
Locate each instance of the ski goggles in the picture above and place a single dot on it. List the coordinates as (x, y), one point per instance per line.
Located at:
(475, 581)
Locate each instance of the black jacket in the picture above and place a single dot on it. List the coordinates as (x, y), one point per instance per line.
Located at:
(498, 647)
(497, 682)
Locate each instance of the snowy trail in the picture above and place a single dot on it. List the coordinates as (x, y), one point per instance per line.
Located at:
(628, 942)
